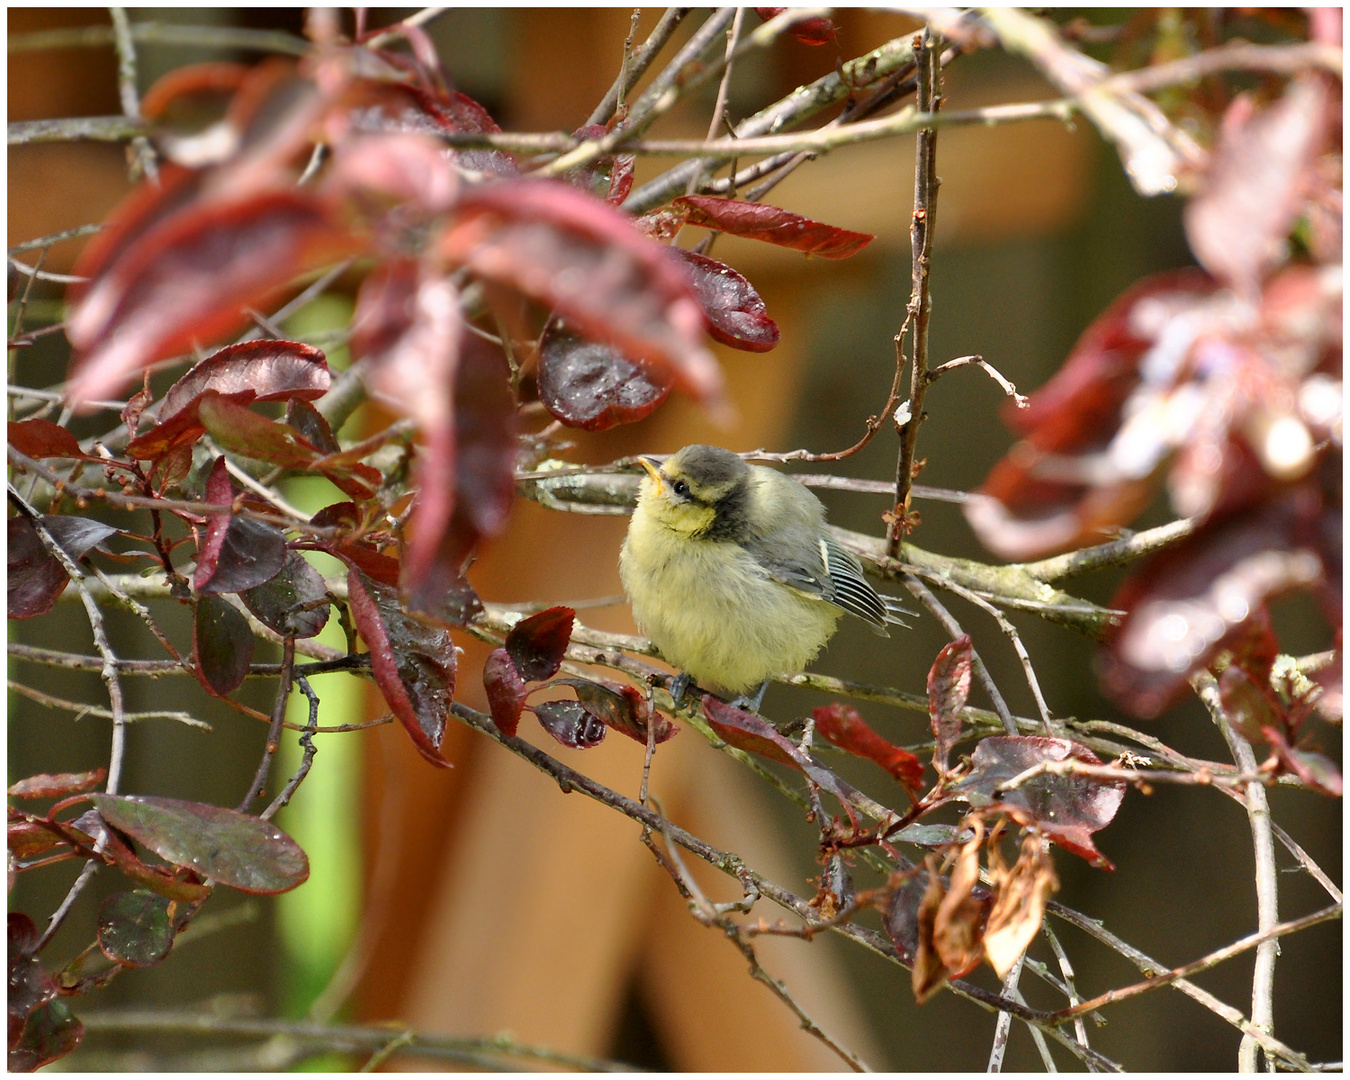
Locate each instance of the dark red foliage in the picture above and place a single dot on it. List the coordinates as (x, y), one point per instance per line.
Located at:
(736, 314)
(589, 385)
(538, 643)
(266, 370)
(817, 30)
(38, 438)
(57, 785)
(584, 260)
(948, 691)
(135, 928)
(842, 726)
(414, 665)
(570, 722)
(236, 553)
(222, 644)
(1068, 809)
(772, 224)
(41, 1029)
(227, 846)
(34, 577)
(287, 601)
(620, 706)
(506, 690)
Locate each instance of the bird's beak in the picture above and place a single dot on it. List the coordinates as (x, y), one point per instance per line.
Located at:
(653, 470)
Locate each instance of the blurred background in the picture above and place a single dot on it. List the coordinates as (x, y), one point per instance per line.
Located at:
(481, 900)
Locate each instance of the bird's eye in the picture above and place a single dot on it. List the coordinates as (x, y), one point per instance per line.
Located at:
(680, 488)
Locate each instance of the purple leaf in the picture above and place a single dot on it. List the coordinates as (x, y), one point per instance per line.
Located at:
(134, 928)
(281, 602)
(593, 386)
(223, 645)
(35, 577)
(736, 313)
(537, 644)
(570, 723)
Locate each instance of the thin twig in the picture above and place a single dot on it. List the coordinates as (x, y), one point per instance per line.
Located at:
(82, 709)
(128, 94)
(634, 69)
(307, 746)
(1003, 1022)
(1267, 894)
(274, 732)
(920, 305)
(1066, 969)
(962, 361)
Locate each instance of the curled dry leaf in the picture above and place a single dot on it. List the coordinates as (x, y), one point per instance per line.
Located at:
(1020, 895)
(948, 691)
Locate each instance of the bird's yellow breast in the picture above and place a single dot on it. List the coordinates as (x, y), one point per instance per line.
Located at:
(713, 611)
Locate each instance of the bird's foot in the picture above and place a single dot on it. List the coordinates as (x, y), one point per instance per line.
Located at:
(678, 686)
(750, 702)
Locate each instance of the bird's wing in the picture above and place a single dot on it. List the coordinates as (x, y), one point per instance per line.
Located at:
(833, 575)
(852, 591)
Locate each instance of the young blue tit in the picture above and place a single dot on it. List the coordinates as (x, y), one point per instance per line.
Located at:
(731, 572)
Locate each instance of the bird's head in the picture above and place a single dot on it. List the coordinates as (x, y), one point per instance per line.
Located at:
(696, 489)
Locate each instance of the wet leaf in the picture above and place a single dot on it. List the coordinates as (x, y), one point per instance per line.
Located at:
(583, 259)
(737, 316)
(1068, 809)
(49, 1035)
(134, 928)
(187, 278)
(948, 691)
(38, 438)
(161, 880)
(222, 645)
(34, 578)
(570, 723)
(236, 553)
(842, 726)
(538, 643)
(414, 665)
(593, 386)
(506, 692)
(621, 707)
(773, 225)
(1020, 895)
(30, 986)
(230, 848)
(281, 602)
(57, 785)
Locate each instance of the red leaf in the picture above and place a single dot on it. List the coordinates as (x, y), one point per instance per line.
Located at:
(748, 731)
(773, 225)
(283, 602)
(227, 846)
(816, 30)
(1255, 184)
(57, 785)
(187, 278)
(1068, 809)
(1184, 603)
(585, 260)
(34, 578)
(235, 428)
(736, 314)
(414, 665)
(948, 691)
(407, 171)
(484, 484)
(843, 727)
(537, 644)
(621, 707)
(135, 928)
(506, 692)
(223, 645)
(38, 438)
(408, 329)
(589, 385)
(1044, 496)
(272, 370)
(570, 723)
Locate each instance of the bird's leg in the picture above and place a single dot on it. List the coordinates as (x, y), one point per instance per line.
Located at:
(751, 703)
(678, 686)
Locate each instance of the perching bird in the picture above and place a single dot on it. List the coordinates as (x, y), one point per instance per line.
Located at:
(732, 574)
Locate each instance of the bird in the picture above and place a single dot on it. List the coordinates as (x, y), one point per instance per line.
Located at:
(732, 574)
